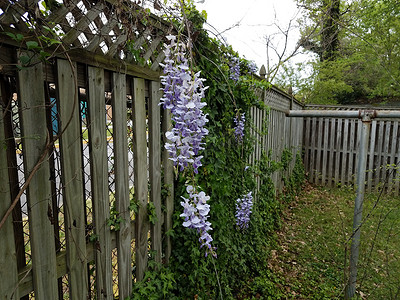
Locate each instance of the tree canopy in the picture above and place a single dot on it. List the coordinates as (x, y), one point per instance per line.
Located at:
(357, 51)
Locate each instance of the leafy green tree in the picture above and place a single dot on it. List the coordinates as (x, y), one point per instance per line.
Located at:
(357, 44)
(321, 28)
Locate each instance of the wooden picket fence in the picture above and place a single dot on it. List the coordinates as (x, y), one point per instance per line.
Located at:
(331, 147)
(80, 229)
(274, 132)
(83, 164)
(91, 177)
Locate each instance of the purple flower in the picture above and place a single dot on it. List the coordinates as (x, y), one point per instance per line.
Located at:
(234, 68)
(195, 212)
(183, 94)
(244, 207)
(252, 67)
(239, 127)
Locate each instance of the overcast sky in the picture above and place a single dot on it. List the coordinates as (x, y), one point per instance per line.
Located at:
(250, 21)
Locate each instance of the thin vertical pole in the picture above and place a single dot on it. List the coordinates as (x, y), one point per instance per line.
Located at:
(361, 169)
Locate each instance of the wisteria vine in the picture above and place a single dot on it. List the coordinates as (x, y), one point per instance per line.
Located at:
(239, 126)
(195, 213)
(244, 208)
(183, 94)
(252, 67)
(234, 68)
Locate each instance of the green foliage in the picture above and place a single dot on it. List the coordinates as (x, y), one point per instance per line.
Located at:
(151, 213)
(39, 48)
(365, 63)
(115, 219)
(158, 283)
(241, 269)
(295, 181)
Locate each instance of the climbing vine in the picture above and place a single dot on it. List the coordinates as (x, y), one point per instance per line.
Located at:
(244, 219)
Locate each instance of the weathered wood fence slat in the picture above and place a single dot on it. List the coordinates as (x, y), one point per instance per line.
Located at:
(34, 129)
(155, 165)
(72, 178)
(99, 173)
(122, 201)
(334, 162)
(141, 177)
(8, 261)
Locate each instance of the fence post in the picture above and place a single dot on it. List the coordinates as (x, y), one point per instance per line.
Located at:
(361, 168)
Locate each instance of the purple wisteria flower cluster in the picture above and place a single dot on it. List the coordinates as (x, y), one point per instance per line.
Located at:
(239, 127)
(195, 212)
(234, 68)
(183, 92)
(244, 207)
(252, 67)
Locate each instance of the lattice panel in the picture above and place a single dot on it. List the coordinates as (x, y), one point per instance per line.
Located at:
(125, 31)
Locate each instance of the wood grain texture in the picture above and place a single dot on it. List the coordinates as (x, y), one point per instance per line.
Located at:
(99, 176)
(168, 183)
(8, 255)
(155, 165)
(71, 166)
(140, 173)
(32, 99)
(121, 169)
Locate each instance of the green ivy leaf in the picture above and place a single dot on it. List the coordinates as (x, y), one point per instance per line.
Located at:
(11, 35)
(44, 54)
(24, 60)
(32, 45)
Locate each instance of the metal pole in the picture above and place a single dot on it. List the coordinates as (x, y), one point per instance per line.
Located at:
(355, 114)
(361, 169)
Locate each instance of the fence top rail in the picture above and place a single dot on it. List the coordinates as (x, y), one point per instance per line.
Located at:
(348, 107)
(354, 114)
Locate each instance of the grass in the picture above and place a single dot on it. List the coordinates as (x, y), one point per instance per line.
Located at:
(311, 258)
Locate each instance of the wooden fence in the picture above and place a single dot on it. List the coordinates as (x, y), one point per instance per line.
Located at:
(97, 170)
(281, 132)
(82, 163)
(331, 147)
(80, 229)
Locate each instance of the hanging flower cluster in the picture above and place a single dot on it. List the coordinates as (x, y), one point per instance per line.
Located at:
(239, 127)
(252, 67)
(234, 68)
(195, 212)
(183, 93)
(244, 206)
